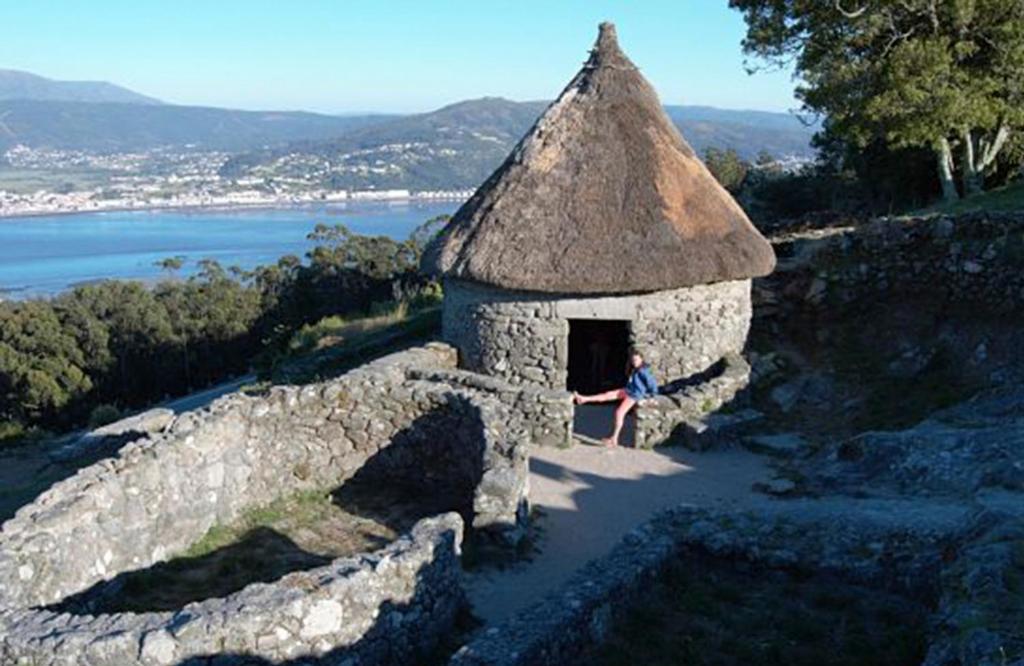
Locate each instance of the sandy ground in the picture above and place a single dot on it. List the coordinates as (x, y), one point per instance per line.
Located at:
(589, 497)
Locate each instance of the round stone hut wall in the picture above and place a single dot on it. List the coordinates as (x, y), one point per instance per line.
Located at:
(160, 495)
(523, 337)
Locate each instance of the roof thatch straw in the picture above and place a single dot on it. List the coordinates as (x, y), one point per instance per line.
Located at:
(603, 195)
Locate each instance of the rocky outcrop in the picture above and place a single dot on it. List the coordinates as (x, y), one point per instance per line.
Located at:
(981, 610)
(959, 451)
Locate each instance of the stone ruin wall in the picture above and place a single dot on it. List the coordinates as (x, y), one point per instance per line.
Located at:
(872, 551)
(971, 260)
(680, 415)
(381, 608)
(523, 337)
(544, 414)
(160, 495)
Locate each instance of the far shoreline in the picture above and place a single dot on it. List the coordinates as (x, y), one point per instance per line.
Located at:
(239, 206)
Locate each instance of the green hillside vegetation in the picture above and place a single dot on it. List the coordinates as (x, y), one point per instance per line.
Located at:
(483, 129)
(65, 361)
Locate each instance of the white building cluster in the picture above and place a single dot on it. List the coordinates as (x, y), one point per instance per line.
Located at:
(166, 179)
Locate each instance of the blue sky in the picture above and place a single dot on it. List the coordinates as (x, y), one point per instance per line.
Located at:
(388, 55)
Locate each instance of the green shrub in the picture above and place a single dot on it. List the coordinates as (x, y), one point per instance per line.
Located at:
(101, 415)
(308, 338)
(11, 433)
(429, 295)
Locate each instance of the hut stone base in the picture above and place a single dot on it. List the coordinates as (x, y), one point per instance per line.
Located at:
(523, 337)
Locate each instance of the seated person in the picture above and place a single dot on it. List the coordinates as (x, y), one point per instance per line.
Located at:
(640, 384)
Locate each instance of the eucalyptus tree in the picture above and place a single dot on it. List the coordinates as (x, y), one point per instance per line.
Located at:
(945, 75)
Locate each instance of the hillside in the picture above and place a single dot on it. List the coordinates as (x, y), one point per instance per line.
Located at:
(125, 127)
(453, 147)
(746, 132)
(459, 145)
(16, 84)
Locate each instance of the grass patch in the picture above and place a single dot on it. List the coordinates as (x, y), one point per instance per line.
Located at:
(1006, 198)
(304, 508)
(703, 613)
(336, 330)
(303, 531)
(335, 345)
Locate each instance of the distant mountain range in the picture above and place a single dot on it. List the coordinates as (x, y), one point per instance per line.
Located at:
(459, 145)
(453, 147)
(15, 84)
(121, 127)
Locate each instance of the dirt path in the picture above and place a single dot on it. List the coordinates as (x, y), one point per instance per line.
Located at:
(590, 497)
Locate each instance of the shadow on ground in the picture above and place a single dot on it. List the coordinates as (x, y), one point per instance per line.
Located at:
(261, 556)
(430, 467)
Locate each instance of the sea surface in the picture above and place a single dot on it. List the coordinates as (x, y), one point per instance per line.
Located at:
(44, 255)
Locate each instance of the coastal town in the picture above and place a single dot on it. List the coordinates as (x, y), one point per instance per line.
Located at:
(70, 181)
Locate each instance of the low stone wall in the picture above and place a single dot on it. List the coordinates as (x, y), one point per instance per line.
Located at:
(677, 415)
(160, 495)
(580, 613)
(972, 259)
(545, 414)
(381, 608)
(523, 337)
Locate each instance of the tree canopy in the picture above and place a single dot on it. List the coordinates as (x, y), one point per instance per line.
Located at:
(943, 75)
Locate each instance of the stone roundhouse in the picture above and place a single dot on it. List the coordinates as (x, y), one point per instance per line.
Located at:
(602, 229)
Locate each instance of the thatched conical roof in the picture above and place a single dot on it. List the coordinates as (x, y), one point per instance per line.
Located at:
(603, 196)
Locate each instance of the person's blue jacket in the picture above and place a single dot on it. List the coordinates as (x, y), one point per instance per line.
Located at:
(641, 384)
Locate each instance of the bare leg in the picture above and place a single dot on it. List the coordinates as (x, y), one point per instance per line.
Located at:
(620, 418)
(607, 396)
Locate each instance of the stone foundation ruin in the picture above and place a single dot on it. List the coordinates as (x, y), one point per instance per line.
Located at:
(957, 563)
(162, 494)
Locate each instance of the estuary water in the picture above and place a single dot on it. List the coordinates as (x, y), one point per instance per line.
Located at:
(43, 255)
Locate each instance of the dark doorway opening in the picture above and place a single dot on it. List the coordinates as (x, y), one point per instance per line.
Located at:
(597, 354)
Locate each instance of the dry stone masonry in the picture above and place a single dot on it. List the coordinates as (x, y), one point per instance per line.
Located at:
(680, 414)
(386, 607)
(971, 259)
(601, 229)
(876, 548)
(162, 493)
(571, 227)
(523, 337)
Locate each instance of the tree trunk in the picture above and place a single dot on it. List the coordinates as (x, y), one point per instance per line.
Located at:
(974, 174)
(944, 166)
(979, 158)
